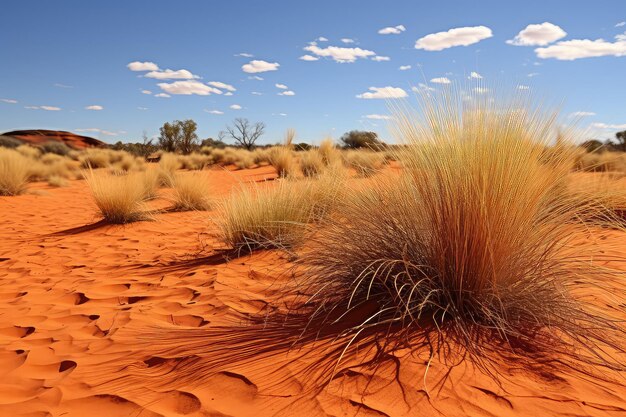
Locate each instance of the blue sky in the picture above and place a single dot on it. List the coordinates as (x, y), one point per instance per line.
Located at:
(66, 63)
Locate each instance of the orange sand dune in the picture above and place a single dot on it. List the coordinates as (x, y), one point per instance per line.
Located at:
(99, 320)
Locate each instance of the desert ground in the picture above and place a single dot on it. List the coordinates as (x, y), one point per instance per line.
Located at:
(115, 320)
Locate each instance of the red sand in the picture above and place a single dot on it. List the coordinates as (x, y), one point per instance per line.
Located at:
(74, 307)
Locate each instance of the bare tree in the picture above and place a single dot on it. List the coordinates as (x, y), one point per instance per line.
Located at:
(244, 133)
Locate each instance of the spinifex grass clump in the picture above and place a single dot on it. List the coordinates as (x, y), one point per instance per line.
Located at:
(191, 192)
(120, 199)
(472, 248)
(276, 215)
(14, 172)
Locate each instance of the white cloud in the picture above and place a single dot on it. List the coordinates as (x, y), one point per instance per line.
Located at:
(48, 108)
(404, 67)
(621, 37)
(228, 93)
(475, 75)
(142, 66)
(582, 114)
(96, 130)
(169, 74)
(245, 55)
(287, 93)
(188, 88)
(347, 40)
(340, 54)
(395, 30)
(221, 85)
(620, 24)
(532, 74)
(582, 48)
(322, 39)
(142, 108)
(281, 86)
(378, 116)
(383, 92)
(440, 80)
(162, 95)
(94, 107)
(308, 57)
(59, 85)
(236, 107)
(146, 92)
(523, 87)
(379, 58)
(256, 93)
(260, 66)
(606, 126)
(32, 107)
(255, 77)
(282, 114)
(538, 35)
(454, 37)
(8, 100)
(214, 111)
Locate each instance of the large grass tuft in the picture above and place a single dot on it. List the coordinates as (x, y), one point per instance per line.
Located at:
(191, 192)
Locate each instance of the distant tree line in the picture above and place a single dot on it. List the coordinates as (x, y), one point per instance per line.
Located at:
(609, 145)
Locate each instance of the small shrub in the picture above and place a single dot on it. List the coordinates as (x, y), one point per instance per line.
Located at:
(9, 142)
(56, 148)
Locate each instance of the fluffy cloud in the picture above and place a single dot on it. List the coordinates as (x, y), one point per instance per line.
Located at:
(620, 24)
(582, 114)
(347, 40)
(538, 35)
(228, 93)
(378, 117)
(379, 58)
(162, 95)
(287, 93)
(281, 86)
(142, 66)
(395, 30)
(454, 37)
(188, 88)
(340, 54)
(404, 67)
(169, 74)
(236, 107)
(94, 107)
(421, 87)
(8, 100)
(146, 92)
(213, 111)
(475, 75)
(221, 85)
(260, 66)
(96, 130)
(308, 58)
(440, 80)
(322, 39)
(582, 48)
(383, 92)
